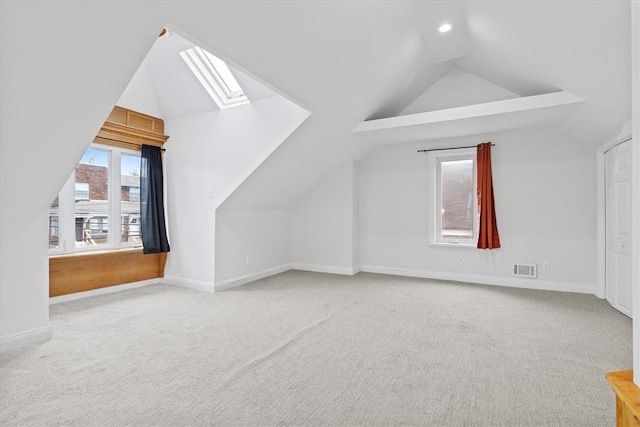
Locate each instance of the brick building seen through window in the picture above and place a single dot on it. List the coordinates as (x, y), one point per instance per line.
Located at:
(92, 206)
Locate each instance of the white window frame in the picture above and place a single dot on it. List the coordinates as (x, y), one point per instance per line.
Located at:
(436, 158)
(210, 72)
(67, 213)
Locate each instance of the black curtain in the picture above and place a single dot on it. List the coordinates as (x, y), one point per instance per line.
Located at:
(153, 228)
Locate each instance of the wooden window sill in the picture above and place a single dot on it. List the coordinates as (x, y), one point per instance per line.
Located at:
(84, 271)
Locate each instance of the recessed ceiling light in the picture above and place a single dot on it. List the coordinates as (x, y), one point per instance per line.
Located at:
(444, 27)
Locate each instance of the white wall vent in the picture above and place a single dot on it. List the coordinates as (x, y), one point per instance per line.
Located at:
(524, 270)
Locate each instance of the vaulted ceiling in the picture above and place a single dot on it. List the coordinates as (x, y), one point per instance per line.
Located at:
(345, 62)
(365, 60)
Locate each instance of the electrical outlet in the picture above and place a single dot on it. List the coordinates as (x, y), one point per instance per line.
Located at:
(189, 265)
(390, 254)
(248, 261)
(460, 260)
(545, 266)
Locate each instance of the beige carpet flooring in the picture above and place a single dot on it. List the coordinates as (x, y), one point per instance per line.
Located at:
(316, 349)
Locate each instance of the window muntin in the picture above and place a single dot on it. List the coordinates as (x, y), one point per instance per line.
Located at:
(130, 200)
(455, 213)
(87, 215)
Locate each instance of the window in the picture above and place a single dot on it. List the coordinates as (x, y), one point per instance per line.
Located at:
(134, 194)
(54, 225)
(455, 216)
(215, 76)
(82, 191)
(92, 209)
(87, 214)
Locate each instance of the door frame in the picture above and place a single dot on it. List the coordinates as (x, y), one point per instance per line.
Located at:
(623, 136)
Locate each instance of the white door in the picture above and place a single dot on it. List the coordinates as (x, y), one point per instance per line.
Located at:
(618, 226)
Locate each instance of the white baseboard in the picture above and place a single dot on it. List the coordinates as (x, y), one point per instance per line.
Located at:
(198, 285)
(512, 282)
(241, 280)
(102, 291)
(332, 269)
(25, 338)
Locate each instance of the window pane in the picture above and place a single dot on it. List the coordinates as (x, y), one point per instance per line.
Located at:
(92, 209)
(457, 199)
(54, 225)
(82, 191)
(232, 88)
(130, 200)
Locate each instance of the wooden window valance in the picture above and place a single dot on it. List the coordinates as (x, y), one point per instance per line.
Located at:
(130, 129)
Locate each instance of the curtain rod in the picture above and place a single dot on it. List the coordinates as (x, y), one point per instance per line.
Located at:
(451, 148)
(129, 143)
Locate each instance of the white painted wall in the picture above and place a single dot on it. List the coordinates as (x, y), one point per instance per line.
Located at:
(215, 151)
(323, 229)
(262, 236)
(355, 218)
(139, 95)
(635, 273)
(24, 274)
(49, 116)
(545, 198)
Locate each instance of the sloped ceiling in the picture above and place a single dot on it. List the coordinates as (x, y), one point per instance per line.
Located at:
(380, 66)
(177, 91)
(456, 89)
(346, 62)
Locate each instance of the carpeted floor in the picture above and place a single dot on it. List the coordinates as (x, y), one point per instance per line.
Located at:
(317, 349)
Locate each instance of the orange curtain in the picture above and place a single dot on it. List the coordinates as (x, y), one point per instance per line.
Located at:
(488, 234)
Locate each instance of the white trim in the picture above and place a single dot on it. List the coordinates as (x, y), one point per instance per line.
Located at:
(454, 245)
(332, 269)
(511, 282)
(242, 280)
(471, 112)
(67, 208)
(25, 338)
(198, 285)
(635, 185)
(252, 277)
(600, 207)
(436, 158)
(102, 291)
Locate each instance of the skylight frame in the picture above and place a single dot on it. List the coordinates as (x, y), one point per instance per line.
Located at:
(215, 76)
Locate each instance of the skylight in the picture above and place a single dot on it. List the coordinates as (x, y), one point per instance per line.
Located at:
(215, 76)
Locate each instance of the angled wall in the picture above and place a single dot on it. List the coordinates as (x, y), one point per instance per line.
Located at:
(208, 156)
(49, 116)
(140, 95)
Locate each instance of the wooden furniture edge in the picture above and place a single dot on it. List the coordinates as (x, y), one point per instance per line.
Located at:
(627, 397)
